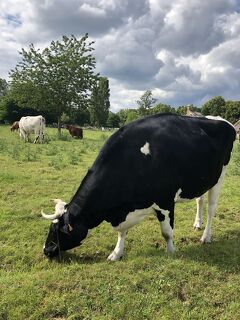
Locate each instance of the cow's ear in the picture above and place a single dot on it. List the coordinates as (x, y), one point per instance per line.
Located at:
(67, 228)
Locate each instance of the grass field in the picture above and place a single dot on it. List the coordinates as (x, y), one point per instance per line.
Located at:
(197, 282)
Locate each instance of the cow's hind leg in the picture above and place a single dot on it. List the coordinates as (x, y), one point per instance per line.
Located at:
(213, 195)
(198, 219)
(166, 219)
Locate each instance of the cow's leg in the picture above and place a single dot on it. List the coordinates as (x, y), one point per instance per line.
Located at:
(198, 219)
(21, 133)
(119, 249)
(166, 219)
(131, 220)
(36, 137)
(213, 195)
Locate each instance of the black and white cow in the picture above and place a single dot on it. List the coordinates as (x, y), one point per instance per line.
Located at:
(144, 168)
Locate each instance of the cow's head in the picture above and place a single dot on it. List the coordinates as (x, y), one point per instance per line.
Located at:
(62, 235)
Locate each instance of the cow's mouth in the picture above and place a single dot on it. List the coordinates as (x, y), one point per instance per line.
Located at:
(51, 251)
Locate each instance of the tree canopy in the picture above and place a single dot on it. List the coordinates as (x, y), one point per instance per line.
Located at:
(99, 106)
(59, 78)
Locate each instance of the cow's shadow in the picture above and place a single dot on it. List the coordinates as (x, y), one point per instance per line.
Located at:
(81, 258)
(223, 252)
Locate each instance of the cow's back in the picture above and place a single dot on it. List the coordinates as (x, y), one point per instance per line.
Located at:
(181, 152)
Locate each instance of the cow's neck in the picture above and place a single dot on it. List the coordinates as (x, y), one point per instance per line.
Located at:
(83, 207)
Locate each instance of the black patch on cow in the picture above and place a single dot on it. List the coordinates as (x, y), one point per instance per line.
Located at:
(160, 216)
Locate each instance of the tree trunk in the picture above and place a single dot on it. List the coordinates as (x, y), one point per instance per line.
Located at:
(59, 125)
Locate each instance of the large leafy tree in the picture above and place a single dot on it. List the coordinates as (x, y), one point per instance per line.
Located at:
(100, 104)
(214, 107)
(58, 79)
(232, 112)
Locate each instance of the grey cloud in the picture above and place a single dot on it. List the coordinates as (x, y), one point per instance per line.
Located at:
(193, 27)
(79, 16)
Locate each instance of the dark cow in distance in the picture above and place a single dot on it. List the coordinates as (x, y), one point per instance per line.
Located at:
(75, 131)
(15, 126)
(146, 167)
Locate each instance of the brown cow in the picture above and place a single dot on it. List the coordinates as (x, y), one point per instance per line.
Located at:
(15, 126)
(75, 131)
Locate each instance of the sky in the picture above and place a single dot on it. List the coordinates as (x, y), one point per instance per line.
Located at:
(184, 51)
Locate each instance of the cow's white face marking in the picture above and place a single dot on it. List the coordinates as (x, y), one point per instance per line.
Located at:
(145, 149)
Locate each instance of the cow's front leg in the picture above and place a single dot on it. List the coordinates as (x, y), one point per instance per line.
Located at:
(119, 249)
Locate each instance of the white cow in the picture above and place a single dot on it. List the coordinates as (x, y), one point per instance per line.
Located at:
(32, 124)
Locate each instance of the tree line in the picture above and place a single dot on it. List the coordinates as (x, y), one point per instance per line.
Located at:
(60, 82)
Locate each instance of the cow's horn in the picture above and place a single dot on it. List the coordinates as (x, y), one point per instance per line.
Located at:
(50, 216)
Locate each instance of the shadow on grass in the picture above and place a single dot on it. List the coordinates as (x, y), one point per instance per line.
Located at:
(82, 258)
(223, 252)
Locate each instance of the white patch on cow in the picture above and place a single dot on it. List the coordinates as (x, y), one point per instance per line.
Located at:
(145, 149)
(133, 218)
(55, 221)
(219, 118)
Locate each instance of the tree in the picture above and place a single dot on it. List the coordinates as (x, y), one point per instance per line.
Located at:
(160, 108)
(214, 107)
(232, 112)
(113, 120)
(59, 78)
(145, 103)
(3, 87)
(99, 106)
(10, 110)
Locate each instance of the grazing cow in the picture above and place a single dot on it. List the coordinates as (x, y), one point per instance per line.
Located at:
(75, 131)
(15, 126)
(32, 124)
(145, 167)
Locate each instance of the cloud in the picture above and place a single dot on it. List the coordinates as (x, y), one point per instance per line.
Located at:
(185, 51)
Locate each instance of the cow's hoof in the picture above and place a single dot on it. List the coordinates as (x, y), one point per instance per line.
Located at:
(114, 256)
(205, 239)
(197, 226)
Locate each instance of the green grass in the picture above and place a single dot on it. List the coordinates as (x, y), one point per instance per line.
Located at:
(197, 282)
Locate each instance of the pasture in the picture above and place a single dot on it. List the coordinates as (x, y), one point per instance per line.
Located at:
(197, 282)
